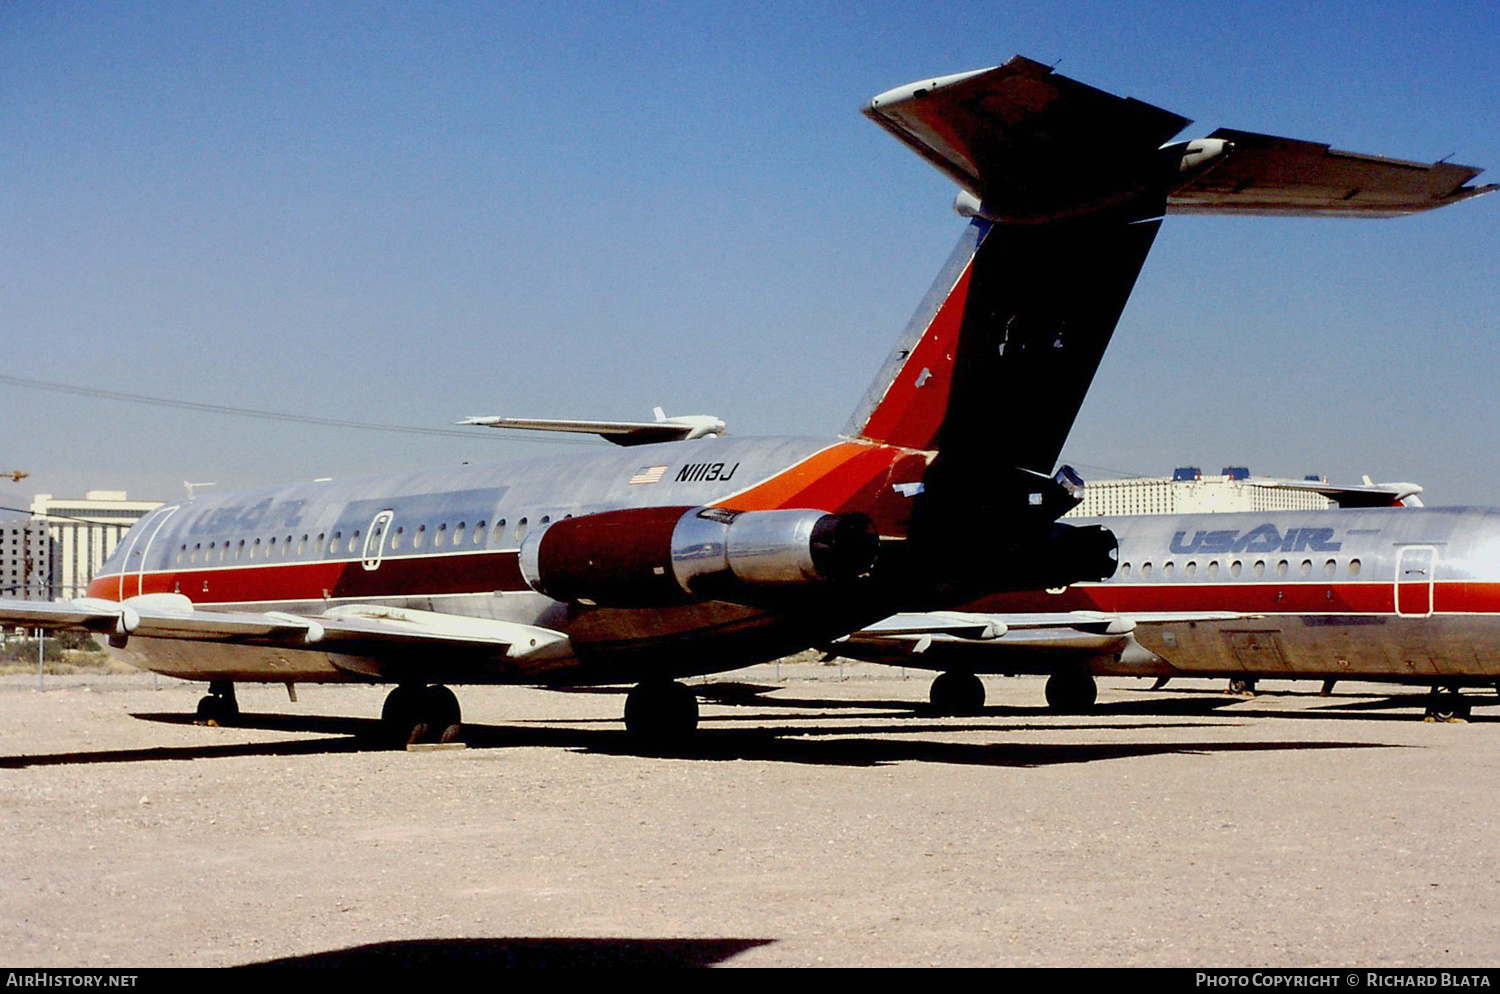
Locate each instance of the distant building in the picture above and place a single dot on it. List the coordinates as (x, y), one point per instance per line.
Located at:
(1188, 491)
(25, 559)
(84, 532)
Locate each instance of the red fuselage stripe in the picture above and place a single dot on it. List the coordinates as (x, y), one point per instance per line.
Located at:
(397, 576)
(1368, 597)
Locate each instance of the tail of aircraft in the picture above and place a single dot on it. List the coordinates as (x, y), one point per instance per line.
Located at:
(1066, 187)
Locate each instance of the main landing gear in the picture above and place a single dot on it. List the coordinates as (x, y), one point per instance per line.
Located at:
(955, 693)
(219, 707)
(661, 711)
(416, 713)
(1242, 685)
(1071, 690)
(1449, 705)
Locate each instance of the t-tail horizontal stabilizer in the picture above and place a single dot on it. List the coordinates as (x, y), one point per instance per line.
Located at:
(1030, 145)
(663, 429)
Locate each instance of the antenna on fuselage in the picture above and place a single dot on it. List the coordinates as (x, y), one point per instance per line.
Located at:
(191, 486)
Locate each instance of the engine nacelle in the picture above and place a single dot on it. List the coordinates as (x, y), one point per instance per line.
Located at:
(656, 556)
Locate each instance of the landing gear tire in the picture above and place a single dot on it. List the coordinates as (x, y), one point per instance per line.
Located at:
(661, 711)
(1447, 707)
(1242, 685)
(220, 706)
(420, 714)
(957, 694)
(1071, 691)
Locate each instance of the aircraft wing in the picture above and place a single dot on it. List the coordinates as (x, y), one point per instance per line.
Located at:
(955, 623)
(1031, 145)
(1068, 631)
(1368, 495)
(351, 629)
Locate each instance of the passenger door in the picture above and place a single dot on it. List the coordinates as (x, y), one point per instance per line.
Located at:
(1415, 565)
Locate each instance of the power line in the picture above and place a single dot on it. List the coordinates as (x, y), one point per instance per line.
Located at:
(251, 412)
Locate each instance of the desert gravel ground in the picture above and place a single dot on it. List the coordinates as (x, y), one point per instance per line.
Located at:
(822, 817)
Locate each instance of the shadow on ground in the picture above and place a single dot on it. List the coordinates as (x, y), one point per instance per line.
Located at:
(837, 739)
(493, 953)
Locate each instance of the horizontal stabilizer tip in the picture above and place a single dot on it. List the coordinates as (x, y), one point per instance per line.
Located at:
(1030, 145)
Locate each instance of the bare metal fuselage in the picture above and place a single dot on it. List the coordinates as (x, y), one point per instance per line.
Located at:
(1398, 594)
(448, 542)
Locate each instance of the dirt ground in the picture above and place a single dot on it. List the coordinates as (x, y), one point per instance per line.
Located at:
(821, 817)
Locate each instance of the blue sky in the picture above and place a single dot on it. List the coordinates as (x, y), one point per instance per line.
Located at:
(413, 213)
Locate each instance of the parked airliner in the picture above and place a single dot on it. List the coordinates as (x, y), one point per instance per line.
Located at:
(660, 560)
(1403, 594)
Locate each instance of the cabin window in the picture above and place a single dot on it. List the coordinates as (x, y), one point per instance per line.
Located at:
(458, 533)
(1235, 568)
(520, 529)
(440, 536)
(419, 537)
(318, 545)
(1166, 571)
(1282, 567)
(1354, 567)
(1124, 569)
(1145, 571)
(1213, 570)
(1259, 569)
(1306, 568)
(499, 536)
(1190, 570)
(546, 518)
(255, 548)
(1330, 568)
(334, 543)
(286, 546)
(478, 533)
(396, 539)
(239, 550)
(354, 541)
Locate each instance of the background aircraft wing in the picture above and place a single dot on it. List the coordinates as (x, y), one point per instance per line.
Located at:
(666, 429)
(1283, 176)
(1368, 495)
(1064, 631)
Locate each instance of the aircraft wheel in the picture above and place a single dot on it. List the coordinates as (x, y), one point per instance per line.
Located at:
(401, 715)
(661, 710)
(1244, 685)
(957, 694)
(1447, 707)
(1071, 691)
(217, 711)
(220, 706)
(441, 715)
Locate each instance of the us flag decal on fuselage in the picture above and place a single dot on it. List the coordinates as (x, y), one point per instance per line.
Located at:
(648, 474)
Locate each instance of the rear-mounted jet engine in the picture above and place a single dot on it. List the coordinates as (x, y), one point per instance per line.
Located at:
(658, 556)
